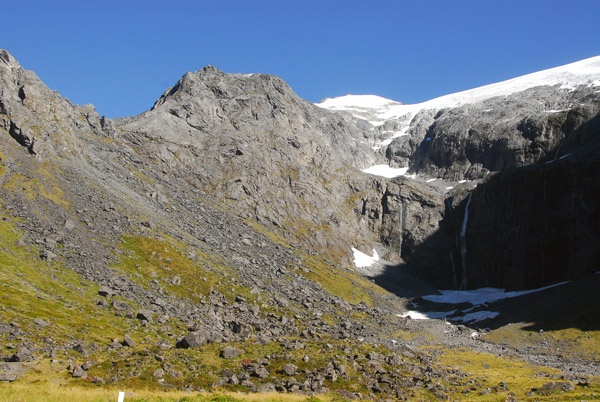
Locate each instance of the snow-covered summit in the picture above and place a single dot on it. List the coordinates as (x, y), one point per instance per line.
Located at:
(372, 108)
(377, 110)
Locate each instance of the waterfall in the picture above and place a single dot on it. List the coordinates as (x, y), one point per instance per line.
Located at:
(449, 206)
(450, 214)
(463, 245)
(454, 279)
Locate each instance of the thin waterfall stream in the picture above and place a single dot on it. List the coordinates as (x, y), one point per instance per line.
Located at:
(463, 245)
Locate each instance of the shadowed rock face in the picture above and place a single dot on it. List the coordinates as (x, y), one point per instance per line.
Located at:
(539, 225)
(531, 226)
(535, 226)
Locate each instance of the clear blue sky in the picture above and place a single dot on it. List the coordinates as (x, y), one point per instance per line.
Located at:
(122, 55)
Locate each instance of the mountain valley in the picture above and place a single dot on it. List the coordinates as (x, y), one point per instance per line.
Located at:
(210, 244)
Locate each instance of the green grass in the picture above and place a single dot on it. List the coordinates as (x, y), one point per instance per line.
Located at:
(161, 259)
(2, 167)
(42, 385)
(570, 342)
(339, 282)
(31, 288)
(43, 185)
(198, 368)
(488, 371)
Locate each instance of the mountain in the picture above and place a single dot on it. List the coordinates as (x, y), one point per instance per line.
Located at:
(528, 144)
(395, 119)
(210, 242)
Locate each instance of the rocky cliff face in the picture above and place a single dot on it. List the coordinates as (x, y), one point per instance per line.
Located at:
(537, 225)
(471, 141)
(39, 119)
(529, 219)
(265, 152)
(499, 133)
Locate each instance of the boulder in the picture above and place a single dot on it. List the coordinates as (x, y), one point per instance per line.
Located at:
(145, 315)
(127, 341)
(229, 353)
(106, 291)
(289, 369)
(79, 372)
(22, 355)
(192, 340)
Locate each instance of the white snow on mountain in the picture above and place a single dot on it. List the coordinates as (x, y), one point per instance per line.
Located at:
(377, 110)
(480, 296)
(386, 171)
(477, 297)
(363, 260)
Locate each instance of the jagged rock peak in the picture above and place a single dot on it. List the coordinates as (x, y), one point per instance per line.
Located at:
(213, 83)
(6, 57)
(210, 69)
(10, 67)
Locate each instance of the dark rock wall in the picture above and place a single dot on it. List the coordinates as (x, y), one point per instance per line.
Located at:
(533, 219)
(536, 226)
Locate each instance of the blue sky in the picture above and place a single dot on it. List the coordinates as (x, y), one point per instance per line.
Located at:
(122, 55)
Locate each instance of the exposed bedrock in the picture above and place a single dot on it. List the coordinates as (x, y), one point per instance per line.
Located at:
(474, 140)
(539, 225)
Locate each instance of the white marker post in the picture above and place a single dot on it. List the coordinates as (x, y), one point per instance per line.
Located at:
(121, 396)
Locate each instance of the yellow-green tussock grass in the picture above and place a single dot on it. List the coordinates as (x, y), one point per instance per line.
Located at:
(271, 235)
(489, 371)
(570, 342)
(52, 392)
(164, 259)
(31, 288)
(338, 281)
(44, 184)
(44, 383)
(2, 164)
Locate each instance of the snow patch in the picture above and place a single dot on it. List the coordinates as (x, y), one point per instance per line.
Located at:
(386, 171)
(477, 316)
(363, 260)
(477, 297)
(419, 315)
(480, 296)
